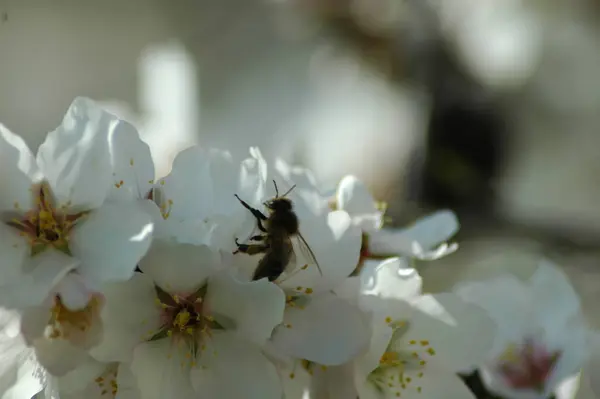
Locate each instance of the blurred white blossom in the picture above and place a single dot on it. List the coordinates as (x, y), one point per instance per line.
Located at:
(543, 339)
(424, 240)
(418, 342)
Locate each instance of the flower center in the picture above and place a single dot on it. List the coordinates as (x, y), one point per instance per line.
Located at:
(184, 320)
(106, 383)
(403, 364)
(527, 366)
(68, 324)
(45, 226)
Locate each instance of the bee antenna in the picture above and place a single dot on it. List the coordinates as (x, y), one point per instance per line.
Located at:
(276, 189)
(289, 191)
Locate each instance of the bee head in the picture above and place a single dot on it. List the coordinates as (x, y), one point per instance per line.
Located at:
(279, 204)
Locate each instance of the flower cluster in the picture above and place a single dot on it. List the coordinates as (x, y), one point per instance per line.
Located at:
(229, 278)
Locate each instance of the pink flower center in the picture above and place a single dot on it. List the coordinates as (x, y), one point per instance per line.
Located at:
(528, 367)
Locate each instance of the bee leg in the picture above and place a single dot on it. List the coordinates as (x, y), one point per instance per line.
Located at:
(260, 237)
(257, 214)
(251, 249)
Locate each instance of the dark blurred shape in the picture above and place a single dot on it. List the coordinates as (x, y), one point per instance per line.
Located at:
(464, 153)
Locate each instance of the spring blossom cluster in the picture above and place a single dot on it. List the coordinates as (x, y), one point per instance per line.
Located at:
(116, 283)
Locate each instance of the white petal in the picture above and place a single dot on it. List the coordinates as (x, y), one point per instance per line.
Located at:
(426, 233)
(34, 320)
(385, 313)
(392, 278)
(59, 356)
(435, 383)
(328, 331)
(46, 270)
(553, 294)
(224, 175)
(336, 247)
(570, 388)
(253, 178)
(158, 368)
(295, 381)
(461, 333)
(133, 169)
(127, 383)
(349, 289)
(75, 158)
(111, 241)
(189, 186)
(94, 380)
(354, 197)
(507, 301)
(335, 382)
(130, 315)
(252, 308)
(80, 378)
(74, 293)
(300, 176)
(15, 249)
(19, 171)
(235, 369)
(20, 374)
(179, 268)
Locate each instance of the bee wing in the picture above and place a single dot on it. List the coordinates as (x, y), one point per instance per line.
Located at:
(307, 252)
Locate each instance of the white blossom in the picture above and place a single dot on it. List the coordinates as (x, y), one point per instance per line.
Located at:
(188, 327)
(425, 240)
(57, 222)
(315, 318)
(543, 339)
(418, 342)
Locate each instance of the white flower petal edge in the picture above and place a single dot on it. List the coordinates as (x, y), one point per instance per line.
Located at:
(461, 333)
(327, 330)
(111, 241)
(159, 372)
(133, 168)
(237, 369)
(252, 309)
(20, 170)
(95, 380)
(531, 319)
(21, 376)
(353, 196)
(200, 190)
(129, 316)
(335, 243)
(424, 240)
(391, 278)
(178, 267)
(45, 272)
(75, 158)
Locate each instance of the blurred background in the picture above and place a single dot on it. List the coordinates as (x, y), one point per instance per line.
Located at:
(488, 107)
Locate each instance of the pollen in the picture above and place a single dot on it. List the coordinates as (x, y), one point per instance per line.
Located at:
(67, 324)
(106, 384)
(401, 365)
(46, 225)
(185, 322)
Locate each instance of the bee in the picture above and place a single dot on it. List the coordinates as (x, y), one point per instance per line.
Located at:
(275, 240)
